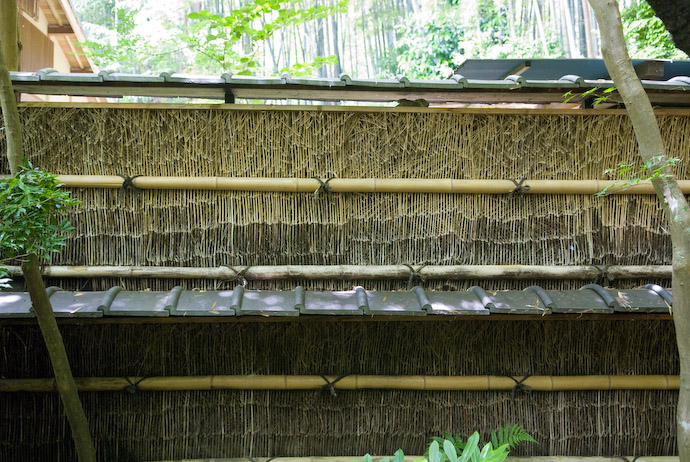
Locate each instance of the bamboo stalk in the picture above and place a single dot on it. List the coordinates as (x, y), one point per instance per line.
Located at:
(352, 382)
(361, 185)
(412, 458)
(353, 272)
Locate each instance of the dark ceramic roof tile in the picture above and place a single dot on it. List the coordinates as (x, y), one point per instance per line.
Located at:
(127, 303)
(513, 302)
(333, 303)
(15, 305)
(78, 304)
(203, 303)
(450, 303)
(639, 301)
(402, 303)
(267, 302)
(578, 301)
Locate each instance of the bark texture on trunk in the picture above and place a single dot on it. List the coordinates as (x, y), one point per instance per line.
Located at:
(676, 17)
(58, 357)
(9, 33)
(673, 201)
(13, 130)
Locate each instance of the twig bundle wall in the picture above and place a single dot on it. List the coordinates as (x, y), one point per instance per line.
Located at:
(214, 228)
(231, 228)
(238, 423)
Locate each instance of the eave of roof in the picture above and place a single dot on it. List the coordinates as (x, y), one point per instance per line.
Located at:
(359, 302)
(457, 89)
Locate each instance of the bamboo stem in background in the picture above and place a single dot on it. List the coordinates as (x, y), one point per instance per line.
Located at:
(353, 382)
(353, 272)
(360, 185)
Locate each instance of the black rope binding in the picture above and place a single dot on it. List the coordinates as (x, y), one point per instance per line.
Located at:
(520, 188)
(602, 278)
(519, 386)
(132, 387)
(127, 184)
(324, 187)
(238, 276)
(329, 385)
(416, 277)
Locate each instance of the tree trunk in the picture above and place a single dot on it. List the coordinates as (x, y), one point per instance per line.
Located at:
(9, 33)
(673, 201)
(37, 291)
(13, 130)
(58, 357)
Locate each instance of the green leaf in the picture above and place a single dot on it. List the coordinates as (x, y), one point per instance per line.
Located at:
(434, 452)
(449, 449)
(399, 456)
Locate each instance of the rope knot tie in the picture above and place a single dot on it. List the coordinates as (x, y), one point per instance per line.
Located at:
(520, 386)
(238, 276)
(416, 276)
(133, 386)
(520, 188)
(603, 278)
(324, 187)
(127, 183)
(329, 386)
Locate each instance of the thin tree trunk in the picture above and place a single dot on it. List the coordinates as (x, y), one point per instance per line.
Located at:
(673, 201)
(58, 357)
(540, 28)
(9, 33)
(39, 297)
(13, 129)
(336, 44)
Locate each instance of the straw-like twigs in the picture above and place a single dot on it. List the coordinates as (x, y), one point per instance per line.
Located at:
(235, 423)
(210, 229)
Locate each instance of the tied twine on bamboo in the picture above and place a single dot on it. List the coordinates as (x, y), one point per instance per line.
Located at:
(353, 382)
(361, 185)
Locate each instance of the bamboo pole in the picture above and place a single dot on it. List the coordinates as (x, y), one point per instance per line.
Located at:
(360, 185)
(412, 458)
(353, 272)
(352, 382)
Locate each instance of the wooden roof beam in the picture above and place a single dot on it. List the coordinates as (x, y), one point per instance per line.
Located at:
(55, 29)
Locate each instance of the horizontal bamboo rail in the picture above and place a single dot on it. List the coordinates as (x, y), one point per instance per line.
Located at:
(360, 185)
(412, 458)
(353, 382)
(352, 272)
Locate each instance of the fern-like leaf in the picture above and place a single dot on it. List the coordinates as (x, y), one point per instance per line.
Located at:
(512, 435)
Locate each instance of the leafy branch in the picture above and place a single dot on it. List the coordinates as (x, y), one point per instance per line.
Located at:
(652, 169)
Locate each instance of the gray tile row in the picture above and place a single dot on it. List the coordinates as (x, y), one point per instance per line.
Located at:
(591, 298)
(456, 82)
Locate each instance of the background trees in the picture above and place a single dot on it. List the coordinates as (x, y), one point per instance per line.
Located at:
(365, 38)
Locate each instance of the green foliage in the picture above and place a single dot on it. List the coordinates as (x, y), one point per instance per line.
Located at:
(123, 48)
(646, 35)
(600, 98)
(634, 174)
(230, 42)
(512, 435)
(446, 450)
(430, 49)
(32, 206)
